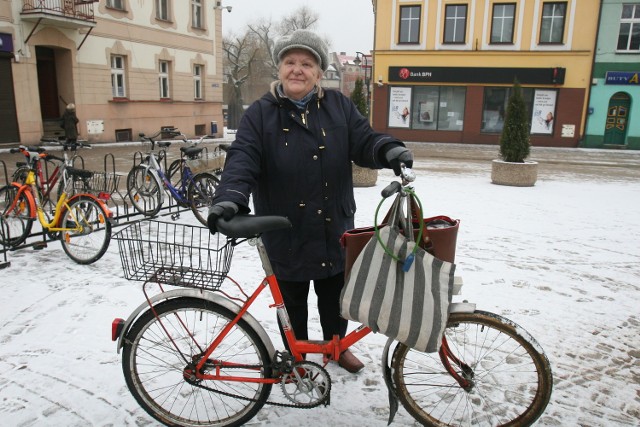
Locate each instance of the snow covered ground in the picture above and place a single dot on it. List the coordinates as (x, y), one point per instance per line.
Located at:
(562, 259)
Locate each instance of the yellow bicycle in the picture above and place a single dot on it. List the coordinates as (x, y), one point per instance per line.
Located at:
(82, 221)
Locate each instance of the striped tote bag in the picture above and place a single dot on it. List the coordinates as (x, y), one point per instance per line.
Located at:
(405, 300)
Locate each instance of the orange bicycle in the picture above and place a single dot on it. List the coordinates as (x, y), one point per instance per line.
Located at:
(194, 357)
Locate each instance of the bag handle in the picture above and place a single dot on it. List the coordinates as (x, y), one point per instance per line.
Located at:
(394, 213)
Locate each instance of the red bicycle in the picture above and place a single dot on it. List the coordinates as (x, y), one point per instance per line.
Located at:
(194, 357)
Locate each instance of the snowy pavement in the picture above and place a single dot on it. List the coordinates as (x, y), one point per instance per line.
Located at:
(561, 259)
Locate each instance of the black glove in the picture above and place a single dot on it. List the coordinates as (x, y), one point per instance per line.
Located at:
(225, 210)
(397, 155)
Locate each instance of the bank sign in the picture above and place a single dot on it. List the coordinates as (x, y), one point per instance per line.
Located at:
(622, 78)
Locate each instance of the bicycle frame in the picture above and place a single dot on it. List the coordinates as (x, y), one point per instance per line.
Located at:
(179, 194)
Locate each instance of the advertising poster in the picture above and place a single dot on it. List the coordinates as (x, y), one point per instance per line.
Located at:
(400, 107)
(544, 107)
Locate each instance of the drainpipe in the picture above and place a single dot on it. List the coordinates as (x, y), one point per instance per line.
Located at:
(593, 65)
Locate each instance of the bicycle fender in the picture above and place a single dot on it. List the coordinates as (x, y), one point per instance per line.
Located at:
(29, 196)
(156, 176)
(388, 380)
(96, 199)
(196, 293)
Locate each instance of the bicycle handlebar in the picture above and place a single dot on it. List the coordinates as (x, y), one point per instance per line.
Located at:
(407, 175)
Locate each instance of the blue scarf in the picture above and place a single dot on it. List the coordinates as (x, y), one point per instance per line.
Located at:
(301, 104)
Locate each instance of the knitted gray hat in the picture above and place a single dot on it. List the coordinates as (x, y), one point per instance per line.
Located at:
(303, 39)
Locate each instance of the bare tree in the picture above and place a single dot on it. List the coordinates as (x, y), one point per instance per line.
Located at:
(240, 53)
(302, 18)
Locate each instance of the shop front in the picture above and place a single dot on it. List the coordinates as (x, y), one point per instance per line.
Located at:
(467, 104)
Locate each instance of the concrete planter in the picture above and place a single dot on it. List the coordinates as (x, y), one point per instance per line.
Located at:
(514, 174)
(364, 177)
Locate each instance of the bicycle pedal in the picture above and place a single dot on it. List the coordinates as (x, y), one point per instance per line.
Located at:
(175, 216)
(39, 245)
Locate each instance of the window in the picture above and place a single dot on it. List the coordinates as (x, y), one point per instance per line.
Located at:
(495, 105)
(409, 24)
(629, 35)
(455, 23)
(438, 108)
(552, 25)
(502, 23)
(196, 13)
(116, 4)
(162, 9)
(197, 81)
(117, 76)
(164, 79)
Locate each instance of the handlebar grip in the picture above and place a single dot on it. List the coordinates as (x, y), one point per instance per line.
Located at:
(391, 189)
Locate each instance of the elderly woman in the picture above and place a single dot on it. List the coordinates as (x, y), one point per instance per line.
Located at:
(293, 153)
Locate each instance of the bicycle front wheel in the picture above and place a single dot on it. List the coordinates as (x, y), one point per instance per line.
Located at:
(508, 377)
(160, 351)
(144, 190)
(86, 230)
(200, 194)
(16, 218)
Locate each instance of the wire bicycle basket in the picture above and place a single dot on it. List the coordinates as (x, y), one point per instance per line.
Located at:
(209, 162)
(174, 254)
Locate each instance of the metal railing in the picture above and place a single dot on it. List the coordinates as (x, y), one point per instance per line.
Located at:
(76, 9)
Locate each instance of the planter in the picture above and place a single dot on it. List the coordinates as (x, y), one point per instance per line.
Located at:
(514, 174)
(364, 177)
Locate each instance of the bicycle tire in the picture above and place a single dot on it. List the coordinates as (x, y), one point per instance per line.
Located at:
(200, 194)
(154, 364)
(15, 220)
(144, 191)
(512, 379)
(174, 173)
(87, 245)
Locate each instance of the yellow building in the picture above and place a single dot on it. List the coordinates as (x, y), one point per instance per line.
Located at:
(444, 68)
(128, 66)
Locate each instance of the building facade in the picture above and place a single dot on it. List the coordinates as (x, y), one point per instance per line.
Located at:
(444, 69)
(613, 119)
(128, 66)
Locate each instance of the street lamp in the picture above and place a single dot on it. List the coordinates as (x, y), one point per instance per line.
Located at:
(367, 75)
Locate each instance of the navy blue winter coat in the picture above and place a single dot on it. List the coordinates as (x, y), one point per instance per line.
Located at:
(298, 164)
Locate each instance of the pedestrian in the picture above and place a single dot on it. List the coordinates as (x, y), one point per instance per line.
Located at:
(293, 152)
(69, 122)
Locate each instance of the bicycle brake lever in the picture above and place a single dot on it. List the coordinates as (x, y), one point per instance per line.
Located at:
(407, 174)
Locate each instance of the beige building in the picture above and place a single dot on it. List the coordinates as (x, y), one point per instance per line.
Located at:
(128, 66)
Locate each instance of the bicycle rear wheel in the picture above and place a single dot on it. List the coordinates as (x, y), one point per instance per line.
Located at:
(144, 190)
(87, 230)
(200, 194)
(16, 218)
(509, 376)
(160, 349)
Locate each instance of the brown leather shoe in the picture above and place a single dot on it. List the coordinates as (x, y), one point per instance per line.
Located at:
(350, 362)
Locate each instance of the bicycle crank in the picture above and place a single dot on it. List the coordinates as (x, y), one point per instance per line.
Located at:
(307, 385)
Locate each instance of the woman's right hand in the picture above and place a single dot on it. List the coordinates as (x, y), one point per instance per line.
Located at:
(225, 210)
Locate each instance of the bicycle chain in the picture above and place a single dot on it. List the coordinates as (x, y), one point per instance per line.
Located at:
(268, 402)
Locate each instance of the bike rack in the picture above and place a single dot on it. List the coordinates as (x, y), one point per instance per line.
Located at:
(108, 181)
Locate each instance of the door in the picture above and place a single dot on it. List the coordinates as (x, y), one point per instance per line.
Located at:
(47, 83)
(8, 117)
(615, 131)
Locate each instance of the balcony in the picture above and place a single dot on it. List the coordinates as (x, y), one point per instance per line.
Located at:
(61, 13)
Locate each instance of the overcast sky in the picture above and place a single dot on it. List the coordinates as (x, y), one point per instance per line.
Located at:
(347, 23)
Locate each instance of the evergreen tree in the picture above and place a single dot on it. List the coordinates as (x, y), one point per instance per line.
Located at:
(358, 97)
(514, 140)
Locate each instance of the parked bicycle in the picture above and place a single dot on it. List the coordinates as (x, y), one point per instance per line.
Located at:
(145, 182)
(51, 168)
(81, 221)
(195, 357)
